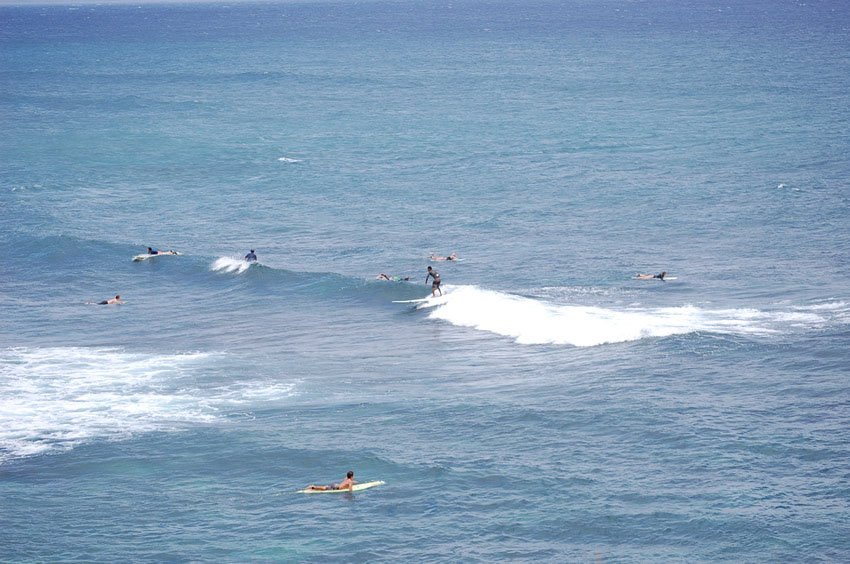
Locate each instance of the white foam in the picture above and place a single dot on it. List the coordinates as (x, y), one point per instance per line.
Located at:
(289, 160)
(54, 399)
(829, 306)
(532, 321)
(229, 264)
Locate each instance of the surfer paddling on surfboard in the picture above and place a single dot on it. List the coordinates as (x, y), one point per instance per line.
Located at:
(111, 301)
(452, 256)
(435, 285)
(383, 276)
(154, 252)
(659, 276)
(346, 484)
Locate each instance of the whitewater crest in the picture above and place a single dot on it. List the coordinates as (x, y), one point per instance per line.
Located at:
(534, 322)
(56, 398)
(230, 265)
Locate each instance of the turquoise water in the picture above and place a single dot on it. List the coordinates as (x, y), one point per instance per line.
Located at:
(548, 407)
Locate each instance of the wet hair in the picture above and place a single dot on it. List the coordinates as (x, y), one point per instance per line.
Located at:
(350, 474)
(429, 268)
(252, 250)
(117, 297)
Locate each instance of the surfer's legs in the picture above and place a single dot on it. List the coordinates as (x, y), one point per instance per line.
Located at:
(322, 488)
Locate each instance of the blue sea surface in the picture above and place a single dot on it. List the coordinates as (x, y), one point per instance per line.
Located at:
(546, 407)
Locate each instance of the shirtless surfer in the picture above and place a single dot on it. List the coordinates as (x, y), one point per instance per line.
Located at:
(112, 301)
(435, 285)
(659, 276)
(347, 484)
(383, 276)
(452, 256)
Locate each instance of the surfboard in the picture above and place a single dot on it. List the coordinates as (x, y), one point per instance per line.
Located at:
(419, 301)
(146, 256)
(356, 488)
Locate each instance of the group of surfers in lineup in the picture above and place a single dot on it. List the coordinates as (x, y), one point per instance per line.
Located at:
(435, 284)
(250, 257)
(349, 481)
(432, 275)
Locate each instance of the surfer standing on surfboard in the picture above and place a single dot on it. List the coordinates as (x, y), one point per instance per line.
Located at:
(435, 285)
(346, 484)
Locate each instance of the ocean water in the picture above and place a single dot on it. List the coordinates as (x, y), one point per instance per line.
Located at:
(548, 407)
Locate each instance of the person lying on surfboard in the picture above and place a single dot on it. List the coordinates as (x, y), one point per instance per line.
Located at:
(383, 276)
(435, 285)
(346, 484)
(153, 252)
(660, 276)
(251, 257)
(111, 301)
(452, 256)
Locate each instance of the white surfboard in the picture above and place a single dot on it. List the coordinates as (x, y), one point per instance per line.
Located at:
(356, 488)
(662, 279)
(419, 301)
(146, 256)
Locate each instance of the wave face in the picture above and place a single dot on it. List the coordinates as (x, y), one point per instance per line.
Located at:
(56, 398)
(534, 322)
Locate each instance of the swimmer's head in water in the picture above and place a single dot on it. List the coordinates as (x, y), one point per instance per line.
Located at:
(350, 474)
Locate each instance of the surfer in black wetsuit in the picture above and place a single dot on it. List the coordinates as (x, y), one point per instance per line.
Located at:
(251, 257)
(152, 252)
(435, 285)
(660, 276)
